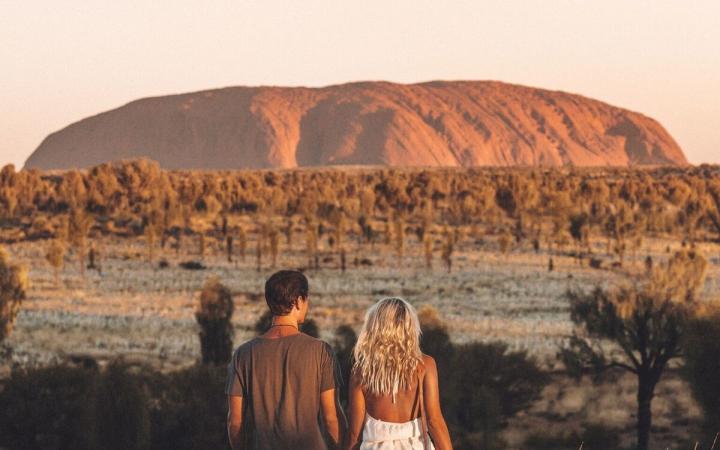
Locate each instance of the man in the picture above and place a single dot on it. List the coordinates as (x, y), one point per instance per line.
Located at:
(282, 384)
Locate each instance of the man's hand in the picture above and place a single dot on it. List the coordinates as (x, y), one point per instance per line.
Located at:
(235, 422)
(333, 416)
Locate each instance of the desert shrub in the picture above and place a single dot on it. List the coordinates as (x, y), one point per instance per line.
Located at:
(192, 265)
(487, 385)
(64, 407)
(13, 284)
(188, 409)
(122, 413)
(702, 366)
(343, 344)
(481, 384)
(263, 323)
(435, 339)
(505, 198)
(214, 314)
(49, 408)
(593, 437)
(310, 327)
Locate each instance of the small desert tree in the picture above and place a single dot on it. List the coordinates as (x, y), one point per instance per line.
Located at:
(93, 256)
(311, 241)
(580, 231)
(258, 255)
(201, 244)
(78, 228)
(399, 235)
(288, 231)
(229, 247)
(388, 232)
(13, 285)
(505, 241)
(242, 242)
(154, 228)
(56, 257)
(337, 220)
(150, 240)
(448, 248)
(214, 315)
(713, 207)
(645, 322)
(428, 246)
(274, 238)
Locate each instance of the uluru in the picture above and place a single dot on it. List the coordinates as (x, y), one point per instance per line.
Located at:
(439, 123)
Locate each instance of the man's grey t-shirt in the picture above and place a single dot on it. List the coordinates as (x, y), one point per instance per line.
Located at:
(281, 380)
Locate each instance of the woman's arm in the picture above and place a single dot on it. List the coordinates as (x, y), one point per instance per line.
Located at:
(356, 411)
(436, 422)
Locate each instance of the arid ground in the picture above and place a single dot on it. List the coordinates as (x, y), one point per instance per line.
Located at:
(135, 309)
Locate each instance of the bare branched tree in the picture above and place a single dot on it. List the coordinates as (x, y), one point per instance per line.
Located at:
(643, 322)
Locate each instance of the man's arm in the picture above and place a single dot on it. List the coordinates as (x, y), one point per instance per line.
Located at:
(333, 416)
(235, 422)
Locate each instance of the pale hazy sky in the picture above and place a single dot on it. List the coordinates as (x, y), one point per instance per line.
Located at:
(66, 60)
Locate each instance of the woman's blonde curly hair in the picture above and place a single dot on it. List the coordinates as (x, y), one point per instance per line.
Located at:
(387, 353)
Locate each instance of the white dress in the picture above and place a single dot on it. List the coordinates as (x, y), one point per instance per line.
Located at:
(380, 435)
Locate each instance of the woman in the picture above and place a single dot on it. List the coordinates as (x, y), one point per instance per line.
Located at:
(394, 393)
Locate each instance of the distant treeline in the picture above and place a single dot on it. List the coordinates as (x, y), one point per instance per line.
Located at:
(552, 208)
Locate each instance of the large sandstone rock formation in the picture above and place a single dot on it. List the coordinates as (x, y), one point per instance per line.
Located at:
(460, 123)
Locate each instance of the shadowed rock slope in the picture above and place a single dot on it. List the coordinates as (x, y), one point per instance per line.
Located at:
(458, 123)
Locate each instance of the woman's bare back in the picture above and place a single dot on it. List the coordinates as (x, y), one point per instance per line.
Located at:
(405, 408)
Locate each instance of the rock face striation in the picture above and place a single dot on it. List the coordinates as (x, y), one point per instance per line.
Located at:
(439, 123)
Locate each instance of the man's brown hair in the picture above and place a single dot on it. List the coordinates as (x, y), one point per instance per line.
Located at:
(282, 290)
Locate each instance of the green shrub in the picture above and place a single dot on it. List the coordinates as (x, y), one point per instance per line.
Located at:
(435, 339)
(343, 345)
(487, 385)
(13, 286)
(481, 384)
(702, 366)
(49, 408)
(189, 409)
(123, 417)
(593, 437)
(214, 316)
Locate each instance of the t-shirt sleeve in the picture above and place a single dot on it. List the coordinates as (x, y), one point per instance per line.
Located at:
(235, 383)
(330, 373)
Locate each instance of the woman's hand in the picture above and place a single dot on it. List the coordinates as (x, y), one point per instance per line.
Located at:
(356, 413)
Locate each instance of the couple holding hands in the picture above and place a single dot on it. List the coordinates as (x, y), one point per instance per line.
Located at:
(283, 386)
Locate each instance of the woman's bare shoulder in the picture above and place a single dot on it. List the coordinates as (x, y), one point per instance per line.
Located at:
(428, 361)
(428, 365)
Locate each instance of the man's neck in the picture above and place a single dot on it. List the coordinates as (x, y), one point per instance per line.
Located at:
(282, 326)
(288, 320)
